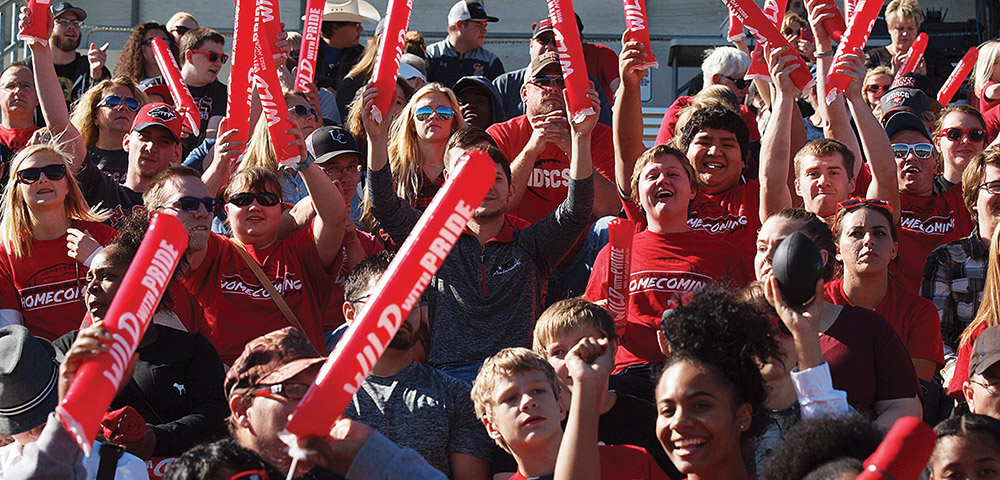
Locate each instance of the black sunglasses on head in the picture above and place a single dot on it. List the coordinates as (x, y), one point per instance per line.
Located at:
(31, 175)
(191, 204)
(265, 199)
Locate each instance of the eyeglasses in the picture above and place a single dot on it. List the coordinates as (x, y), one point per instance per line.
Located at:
(853, 203)
(213, 56)
(251, 475)
(546, 81)
(114, 101)
(291, 391)
(191, 204)
(65, 22)
(302, 111)
(878, 87)
(992, 187)
(29, 176)
(265, 199)
(740, 83)
(442, 112)
(361, 299)
(339, 171)
(956, 134)
(180, 30)
(993, 389)
(921, 150)
(545, 39)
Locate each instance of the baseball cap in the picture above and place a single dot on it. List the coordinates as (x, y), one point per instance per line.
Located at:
(328, 142)
(904, 99)
(542, 26)
(905, 121)
(63, 7)
(540, 62)
(161, 115)
(271, 358)
(466, 10)
(985, 352)
(913, 80)
(158, 89)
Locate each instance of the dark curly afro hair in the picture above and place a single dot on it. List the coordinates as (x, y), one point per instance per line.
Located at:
(811, 445)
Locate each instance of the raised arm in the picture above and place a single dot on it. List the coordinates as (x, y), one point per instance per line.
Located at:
(775, 153)
(589, 363)
(328, 227)
(222, 158)
(627, 123)
(552, 127)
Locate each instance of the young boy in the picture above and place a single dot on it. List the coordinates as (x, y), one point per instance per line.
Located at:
(516, 394)
(624, 419)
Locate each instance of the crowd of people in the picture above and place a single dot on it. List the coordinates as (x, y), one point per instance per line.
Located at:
(511, 364)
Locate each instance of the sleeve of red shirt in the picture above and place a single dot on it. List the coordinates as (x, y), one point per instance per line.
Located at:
(597, 285)
(501, 134)
(894, 371)
(104, 234)
(9, 298)
(924, 339)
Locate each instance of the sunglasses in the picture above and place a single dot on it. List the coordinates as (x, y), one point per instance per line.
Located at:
(853, 203)
(956, 134)
(545, 39)
(921, 150)
(543, 81)
(65, 22)
(792, 31)
(992, 187)
(191, 204)
(442, 112)
(781, 327)
(740, 83)
(212, 56)
(265, 199)
(251, 475)
(302, 111)
(29, 176)
(878, 87)
(291, 391)
(114, 101)
(180, 30)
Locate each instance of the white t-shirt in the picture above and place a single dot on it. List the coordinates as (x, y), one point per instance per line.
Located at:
(130, 467)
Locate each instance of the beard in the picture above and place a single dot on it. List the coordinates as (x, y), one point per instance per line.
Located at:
(65, 45)
(404, 339)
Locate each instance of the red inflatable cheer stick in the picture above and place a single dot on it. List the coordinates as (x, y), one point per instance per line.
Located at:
(272, 100)
(241, 75)
(574, 68)
(97, 381)
(855, 38)
(957, 76)
(395, 295)
(270, 16)
(903, 452)
(765, 31)
(620, 233)
(36, 31)
(735, 33)
(916, 53)
(638, 31)
(397, 18)
(775, 12)
(306, 71)
(835, 27)
(178, 89)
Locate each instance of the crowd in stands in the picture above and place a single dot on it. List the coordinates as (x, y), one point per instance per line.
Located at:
(511, 364)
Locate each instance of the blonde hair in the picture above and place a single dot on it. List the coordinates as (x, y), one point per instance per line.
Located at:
(260, 148)
(899, 10)
(366, 64)
(294, 40)
(16, 225)
(989, 306)
(568, 316)
(505, 364)
(85, 108)
(709, 96)
(988, 54)
(178, 18)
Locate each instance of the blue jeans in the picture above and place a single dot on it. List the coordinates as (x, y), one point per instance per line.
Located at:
(465, 373)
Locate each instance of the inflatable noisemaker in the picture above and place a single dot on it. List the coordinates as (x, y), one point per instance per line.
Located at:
(849, 6)
(270, 16)
(962, 70)
(570, 49)
(860, 26)
(397, 19)
(916, 53)
(97, 381)
(620, 233)
(272, 100)
(638, 31)
(35, 31)
(764, 30)
(397, 292)
(735, 33)
(241, 86)
(775, 12)
(178, 89)
(835, 27)
(903, 453)
(305, 73)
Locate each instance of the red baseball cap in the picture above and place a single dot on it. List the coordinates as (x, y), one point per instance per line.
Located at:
(160, 115)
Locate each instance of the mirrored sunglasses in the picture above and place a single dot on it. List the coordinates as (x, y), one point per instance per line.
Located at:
(921, 150)
(113, 101)
(442, 112)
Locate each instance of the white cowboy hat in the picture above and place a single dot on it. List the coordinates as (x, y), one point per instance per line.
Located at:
(350, 11)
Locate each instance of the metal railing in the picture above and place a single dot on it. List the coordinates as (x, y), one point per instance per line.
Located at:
(13, 50)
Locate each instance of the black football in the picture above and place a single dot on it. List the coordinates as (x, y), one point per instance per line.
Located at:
(798, 265)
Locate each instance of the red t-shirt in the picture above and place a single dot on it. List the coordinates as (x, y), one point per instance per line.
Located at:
(926, 223)
(733, 215)
(45, 286)
(961, 372)
(664, 266)
(914, 318)
(16, 138)
(602, 63)
(334, 315)
(673, 113)
(991, 113)
(548, 182)
(626, 462)
(238, 307)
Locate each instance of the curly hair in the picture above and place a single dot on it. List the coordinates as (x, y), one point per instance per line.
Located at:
(205, 461)
(740, 342)
(810, 445)
(130, 63)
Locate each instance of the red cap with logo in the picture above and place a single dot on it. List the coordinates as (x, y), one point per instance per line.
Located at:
(161, 115)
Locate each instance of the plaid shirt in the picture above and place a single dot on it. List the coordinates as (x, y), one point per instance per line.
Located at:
(953, 279)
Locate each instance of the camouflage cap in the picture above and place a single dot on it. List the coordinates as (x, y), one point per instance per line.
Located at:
(271, 359)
